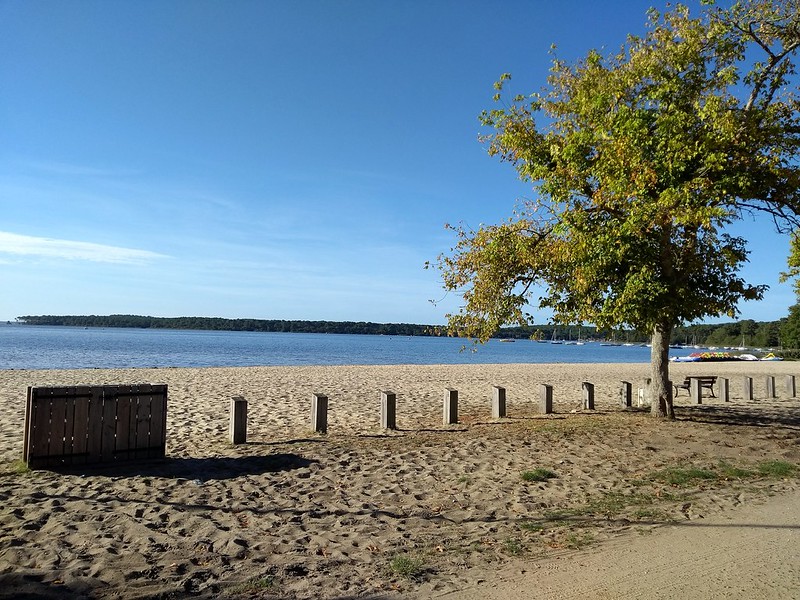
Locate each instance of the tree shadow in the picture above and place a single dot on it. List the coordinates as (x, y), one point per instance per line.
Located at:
(202, 469)
(18, 586)
(569, 517)
(740, 416)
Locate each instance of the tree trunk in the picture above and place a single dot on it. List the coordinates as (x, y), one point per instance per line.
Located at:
(660, 387)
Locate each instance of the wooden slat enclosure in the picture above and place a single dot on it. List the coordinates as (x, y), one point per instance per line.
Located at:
(90, 424)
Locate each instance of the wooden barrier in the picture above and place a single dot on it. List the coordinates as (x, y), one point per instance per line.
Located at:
(545, 399)
(498, 402)
(790, 387)
(388, 410)
(93, 424)
(237, 428)
(747, 386)
(588, 395)
(723, 389)
(696, 390)
(770, 386)
(319, 413)
(626, 395)
(450, 413)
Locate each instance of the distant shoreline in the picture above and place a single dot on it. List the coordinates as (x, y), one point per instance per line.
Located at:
(745, 333)
(266, 325)
(221, 324)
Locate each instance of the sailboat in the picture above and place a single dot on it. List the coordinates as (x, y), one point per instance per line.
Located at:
(742, 347)
(613, 341)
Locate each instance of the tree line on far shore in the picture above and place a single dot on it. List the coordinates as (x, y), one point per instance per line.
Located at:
(221, 324)
(769, 334)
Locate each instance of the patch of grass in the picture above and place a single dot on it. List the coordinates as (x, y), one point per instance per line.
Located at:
(253, 585)
(614, 502)
(513, 547)
(729, 471)
(650, 514)
(531, 526)
(538, 474)
(19, 466)
(561, 517)
(670, 497)
(679, 476)
(409, 567)
(465, 479)
(576, 541)
(777, 468)
(14, 467)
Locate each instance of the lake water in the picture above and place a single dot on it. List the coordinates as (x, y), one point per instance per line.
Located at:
(42, 347)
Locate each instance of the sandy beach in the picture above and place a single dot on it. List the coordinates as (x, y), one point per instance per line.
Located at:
(427, 510)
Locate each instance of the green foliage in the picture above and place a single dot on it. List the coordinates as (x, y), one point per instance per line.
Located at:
(680, 476)
(729, 471)
(746, 333)
(14, 467)
(685, 476)
(513, 547)
(790, 328)
(253, 585)
(406, 566)
(611, 503)
(793, 262)
(777, 468)
(531, 526)
(578, 540)
(639, 161)
(538, 474)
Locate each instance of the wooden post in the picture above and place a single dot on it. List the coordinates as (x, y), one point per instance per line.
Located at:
(747, 383)
(388, 410)
(770, 386)
(237, 429)
(319, 413)
(545, 399)
(626, 395)
(791, 391)
(498, 402)
(723, 385)
(588, 395)
(450, 416)
(695, 391)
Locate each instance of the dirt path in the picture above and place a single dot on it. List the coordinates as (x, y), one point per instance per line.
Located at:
(751, 552)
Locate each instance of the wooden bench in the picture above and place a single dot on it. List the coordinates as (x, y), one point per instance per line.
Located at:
(706, 381)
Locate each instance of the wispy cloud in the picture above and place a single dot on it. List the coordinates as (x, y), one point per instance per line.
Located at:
(75, 170)
(12, 243)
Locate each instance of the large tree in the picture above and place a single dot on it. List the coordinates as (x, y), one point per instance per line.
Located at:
(639, 161)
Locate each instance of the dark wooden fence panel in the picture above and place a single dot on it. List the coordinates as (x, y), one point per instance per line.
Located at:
(90, 424)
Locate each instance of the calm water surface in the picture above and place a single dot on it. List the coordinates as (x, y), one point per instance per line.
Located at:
(42, 347)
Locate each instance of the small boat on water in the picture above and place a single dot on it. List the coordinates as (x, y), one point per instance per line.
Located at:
(721, 356)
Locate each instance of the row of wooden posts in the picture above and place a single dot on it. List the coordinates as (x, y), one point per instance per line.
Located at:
(319, 403)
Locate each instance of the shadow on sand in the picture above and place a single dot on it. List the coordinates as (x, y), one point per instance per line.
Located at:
(741, 416)
(203, 469)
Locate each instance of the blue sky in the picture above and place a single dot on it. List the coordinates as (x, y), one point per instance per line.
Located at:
(269, 159)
